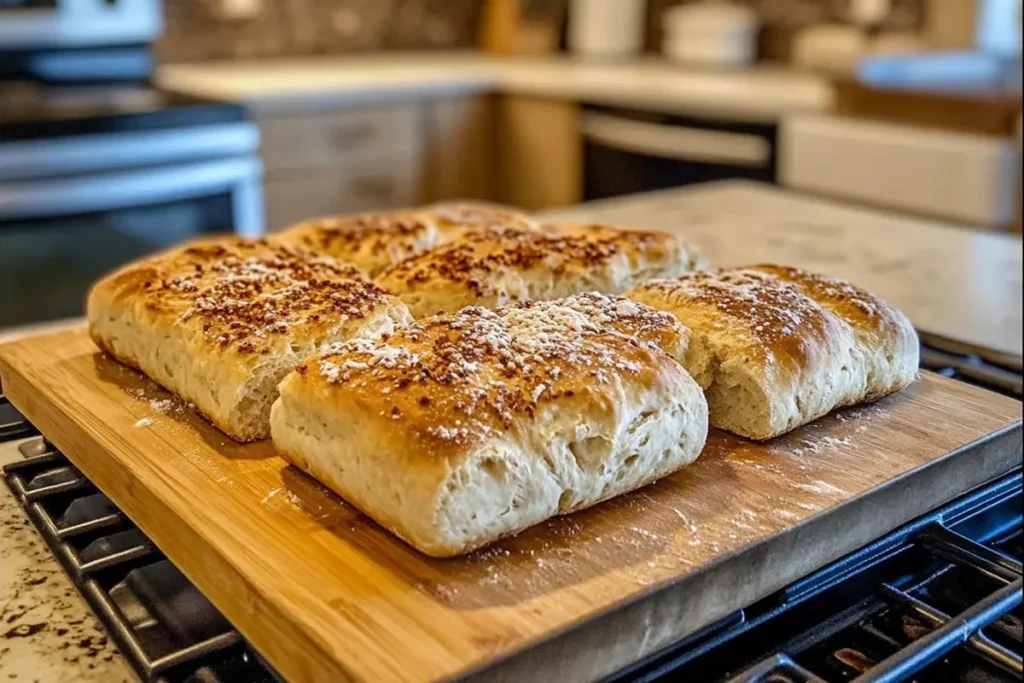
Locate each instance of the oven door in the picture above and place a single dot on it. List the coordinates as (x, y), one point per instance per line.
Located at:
(627, 152)
(59, 235)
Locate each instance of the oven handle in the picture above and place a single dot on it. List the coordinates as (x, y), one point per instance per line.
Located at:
(111, 191)
(679, 143)
(26, 159)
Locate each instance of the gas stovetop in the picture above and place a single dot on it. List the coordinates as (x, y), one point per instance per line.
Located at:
(938, 600)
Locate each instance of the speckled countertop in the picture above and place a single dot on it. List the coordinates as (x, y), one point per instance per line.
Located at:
(47, 632)
(953, 282)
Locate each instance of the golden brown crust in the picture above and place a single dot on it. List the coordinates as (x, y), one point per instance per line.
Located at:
(775, 319)
(374, 241)
(369, 241)
(879, 325)
(451, 381)
(650, 244)
(776, 347)
(240, 296)
(492, 269)
(455, 220)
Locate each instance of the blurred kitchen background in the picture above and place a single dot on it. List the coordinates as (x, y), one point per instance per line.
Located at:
(129, 125)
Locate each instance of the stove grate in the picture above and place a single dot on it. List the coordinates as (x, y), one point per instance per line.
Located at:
(926, 603)
(994, 371)
(166, 629)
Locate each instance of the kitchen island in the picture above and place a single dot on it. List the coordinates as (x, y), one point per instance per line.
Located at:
(961, 285)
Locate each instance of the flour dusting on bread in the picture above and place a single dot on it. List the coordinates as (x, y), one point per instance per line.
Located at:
(221, 321)
(476, 424)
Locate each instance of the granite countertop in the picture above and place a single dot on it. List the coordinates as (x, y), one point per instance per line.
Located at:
(290, 85)
(952, 282)
(47, 631)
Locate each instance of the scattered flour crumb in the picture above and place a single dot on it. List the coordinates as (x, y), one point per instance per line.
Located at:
(741, 525)
(818, 445)
(269, 496)
(690, 524)
(808, 506)
(645, 533)
(786, 514)
(161, 405)
(821, 487)
(144, 422)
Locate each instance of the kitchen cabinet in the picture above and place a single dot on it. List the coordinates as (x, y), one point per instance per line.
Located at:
(519, 150)
(370, 159)
(460, 156)
(540, 152)
(343, 161)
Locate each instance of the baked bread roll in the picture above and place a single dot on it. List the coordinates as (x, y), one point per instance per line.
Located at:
(494, 269)
(465, 428)
(372, 242)
(776, 347)
(220, 322)
(455, 220)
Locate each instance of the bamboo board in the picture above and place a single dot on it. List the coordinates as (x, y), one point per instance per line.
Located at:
(326, 595)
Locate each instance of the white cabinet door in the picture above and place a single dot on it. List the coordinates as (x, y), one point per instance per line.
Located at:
(304, 141)
(384, 183)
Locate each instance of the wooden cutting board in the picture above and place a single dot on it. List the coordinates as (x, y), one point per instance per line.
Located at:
(326, 595)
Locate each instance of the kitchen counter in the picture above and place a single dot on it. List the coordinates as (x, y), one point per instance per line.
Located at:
(285, 85)
(47, 632)
(963, 285)
(960, 284)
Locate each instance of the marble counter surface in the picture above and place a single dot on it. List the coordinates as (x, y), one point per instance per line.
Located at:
(956, 283)
(289, 85)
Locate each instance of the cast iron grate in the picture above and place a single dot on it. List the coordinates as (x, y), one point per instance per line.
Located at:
(995, 371)
(939, 600)
(161, 623)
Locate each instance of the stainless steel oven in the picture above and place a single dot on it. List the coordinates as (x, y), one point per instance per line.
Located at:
(98, 167)
(72, 209)
(35, 24)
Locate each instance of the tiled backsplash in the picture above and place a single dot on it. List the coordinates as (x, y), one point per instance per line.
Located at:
(781, 19)
(199, 29)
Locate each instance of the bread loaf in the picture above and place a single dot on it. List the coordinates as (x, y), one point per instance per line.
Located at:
(464, 428)
(220, 322)
(372, 242)
(776, 347)
(497, 268)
